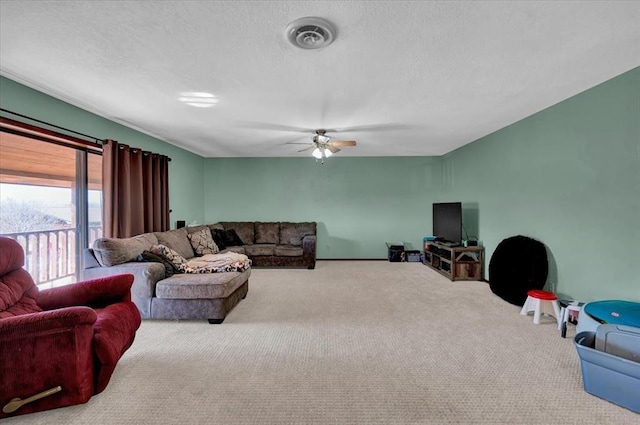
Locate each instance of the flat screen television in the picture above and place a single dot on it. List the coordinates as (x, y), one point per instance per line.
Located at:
(447, 222)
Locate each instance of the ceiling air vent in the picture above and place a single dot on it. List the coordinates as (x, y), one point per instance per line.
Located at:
(310, 33)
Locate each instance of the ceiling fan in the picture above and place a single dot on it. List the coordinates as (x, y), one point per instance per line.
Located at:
(323, 146)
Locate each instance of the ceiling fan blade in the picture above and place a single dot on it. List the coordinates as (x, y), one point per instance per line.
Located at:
(306, 149)
(332, 148)
(343, 142)
(274, 127)
(372, 127)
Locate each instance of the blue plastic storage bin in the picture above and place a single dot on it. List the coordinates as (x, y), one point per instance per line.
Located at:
(610, 377)
(616, 312)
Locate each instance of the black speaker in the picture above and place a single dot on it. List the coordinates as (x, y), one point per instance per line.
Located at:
(180, 224)
(518, 264)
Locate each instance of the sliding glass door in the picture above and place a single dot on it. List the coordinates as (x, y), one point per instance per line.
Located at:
(50, 201)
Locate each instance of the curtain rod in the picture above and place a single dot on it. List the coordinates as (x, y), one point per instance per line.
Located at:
(95, 139)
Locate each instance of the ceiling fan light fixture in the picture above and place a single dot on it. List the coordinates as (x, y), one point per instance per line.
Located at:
(310, 33)
(317, 153)
(327, 153)
(320, 138)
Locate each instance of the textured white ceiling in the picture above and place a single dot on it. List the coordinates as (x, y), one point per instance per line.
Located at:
(422, 78)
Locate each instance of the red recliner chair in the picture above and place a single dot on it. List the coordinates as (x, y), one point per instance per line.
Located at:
(59, 346)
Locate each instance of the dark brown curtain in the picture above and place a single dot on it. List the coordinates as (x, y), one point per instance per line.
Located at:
(135, 190)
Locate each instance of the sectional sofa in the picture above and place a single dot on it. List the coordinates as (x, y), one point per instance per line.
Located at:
(161, 294)
(274, 244)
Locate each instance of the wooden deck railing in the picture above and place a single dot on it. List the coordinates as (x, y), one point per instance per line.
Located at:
(50, 255)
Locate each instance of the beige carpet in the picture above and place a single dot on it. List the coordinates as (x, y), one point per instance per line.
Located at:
(359, 342)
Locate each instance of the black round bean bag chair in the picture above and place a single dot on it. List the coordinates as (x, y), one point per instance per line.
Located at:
(518, 265)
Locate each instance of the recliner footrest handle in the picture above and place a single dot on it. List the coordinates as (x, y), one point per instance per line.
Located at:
(17, 402)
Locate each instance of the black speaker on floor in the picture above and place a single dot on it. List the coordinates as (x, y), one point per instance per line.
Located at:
(180, 223)
(518, 265)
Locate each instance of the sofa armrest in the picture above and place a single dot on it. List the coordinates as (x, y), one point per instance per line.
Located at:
(95, 293)
(309, 250)
(44, 322)
(89, 259)
(145, 277)
(309, 245)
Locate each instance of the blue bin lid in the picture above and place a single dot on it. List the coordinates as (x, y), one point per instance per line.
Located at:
(615, 312)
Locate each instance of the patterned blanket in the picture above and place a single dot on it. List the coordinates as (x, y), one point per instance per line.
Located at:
(217, 263)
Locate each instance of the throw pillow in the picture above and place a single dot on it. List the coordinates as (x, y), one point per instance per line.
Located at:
(150, 257)
(231, 238)
(202, 242)
(218, 238)
(170, 255)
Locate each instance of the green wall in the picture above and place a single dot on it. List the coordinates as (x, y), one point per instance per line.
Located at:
(358, 203)
(568, 176)
(186, 169)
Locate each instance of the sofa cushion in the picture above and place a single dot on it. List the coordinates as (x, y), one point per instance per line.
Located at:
(195, 229)
(231, 238)
(218, 238)
(267, 232)
(18, 294)
(11, 255)
(202, 241)
(292, 233)
(150, 257)
(244, 229)
(114, 251)
(170, 255)
(201, 286)
(288, 251)
(176, 240)
(259, 249)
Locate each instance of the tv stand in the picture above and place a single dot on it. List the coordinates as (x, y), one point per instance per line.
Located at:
(455, 262)
(448, 244)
